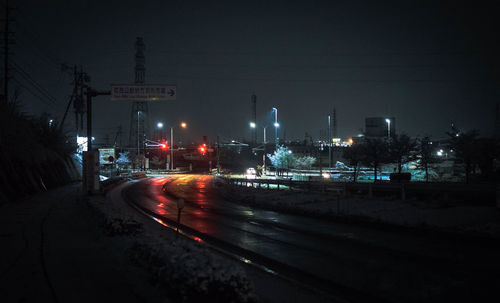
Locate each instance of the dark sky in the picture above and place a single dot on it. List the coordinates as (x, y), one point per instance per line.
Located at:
(427, 63)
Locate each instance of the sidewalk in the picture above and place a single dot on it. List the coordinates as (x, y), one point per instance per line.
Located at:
(52, 251)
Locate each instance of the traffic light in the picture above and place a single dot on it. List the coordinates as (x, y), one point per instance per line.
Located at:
(163, 145)
(202, 149)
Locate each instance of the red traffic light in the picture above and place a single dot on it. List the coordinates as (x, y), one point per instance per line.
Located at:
(202, 149)
(163, 145)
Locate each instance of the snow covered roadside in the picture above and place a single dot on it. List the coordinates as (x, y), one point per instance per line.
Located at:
(434, 215)
(54, 251)
(156, 248)
(187, 271)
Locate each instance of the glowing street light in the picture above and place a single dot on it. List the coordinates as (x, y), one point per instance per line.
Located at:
(253, 125)
(388, 121)
(182, 125)
(159, 125)
(276, 125)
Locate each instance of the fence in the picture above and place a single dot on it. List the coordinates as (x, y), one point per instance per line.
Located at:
(478, 193)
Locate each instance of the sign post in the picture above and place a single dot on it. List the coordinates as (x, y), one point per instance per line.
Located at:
(180, 206)
(91, 171)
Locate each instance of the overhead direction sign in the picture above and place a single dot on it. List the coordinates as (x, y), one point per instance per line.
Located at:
(143, 92)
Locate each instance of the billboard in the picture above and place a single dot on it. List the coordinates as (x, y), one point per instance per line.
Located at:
(106, 155)
(143, 92)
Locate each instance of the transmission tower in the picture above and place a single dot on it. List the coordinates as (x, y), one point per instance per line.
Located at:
(139, 112)
(7, 40)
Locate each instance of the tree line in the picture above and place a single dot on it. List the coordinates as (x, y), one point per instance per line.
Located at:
(476, 154)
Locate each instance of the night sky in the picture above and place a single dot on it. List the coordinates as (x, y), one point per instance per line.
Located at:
(427, 63)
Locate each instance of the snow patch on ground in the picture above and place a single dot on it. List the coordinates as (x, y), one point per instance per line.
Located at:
(434, 214)
(189, 272)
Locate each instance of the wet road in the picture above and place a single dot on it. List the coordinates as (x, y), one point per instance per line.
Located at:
(386, 264)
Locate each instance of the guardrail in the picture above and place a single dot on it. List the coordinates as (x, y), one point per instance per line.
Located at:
(480, 193)
(134, 175)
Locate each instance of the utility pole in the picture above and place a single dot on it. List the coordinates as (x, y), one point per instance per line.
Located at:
(6, 42)
(80, 81)
(118, 133)
(91, 174)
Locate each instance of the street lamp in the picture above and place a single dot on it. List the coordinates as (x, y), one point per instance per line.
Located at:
(182, 125)
(276, 125)
(253, 125)
(388, 121)
(159, 127)
(138, 140)
(265, 134)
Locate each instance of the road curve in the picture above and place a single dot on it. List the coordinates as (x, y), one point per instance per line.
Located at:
(356, 262)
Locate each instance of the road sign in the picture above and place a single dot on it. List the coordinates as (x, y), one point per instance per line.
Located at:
(143, 92)
(106, 155)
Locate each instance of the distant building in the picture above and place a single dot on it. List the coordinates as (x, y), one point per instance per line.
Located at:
(380, 127)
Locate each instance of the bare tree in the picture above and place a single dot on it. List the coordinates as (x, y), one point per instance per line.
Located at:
(487, 150)
(354, 155)
(402, 150)
(375, 153)
(464, 145)
(425, 156)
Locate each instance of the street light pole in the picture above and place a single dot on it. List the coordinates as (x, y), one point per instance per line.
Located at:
(183, 125)
(265, 134)
(171, 148)
(138, 145)
(159, 127)
(388, 121)
(276, 125)
(329, 142)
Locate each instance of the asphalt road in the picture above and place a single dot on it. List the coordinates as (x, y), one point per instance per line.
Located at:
(356, 261)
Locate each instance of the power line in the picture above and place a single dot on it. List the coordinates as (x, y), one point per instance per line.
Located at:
(33, 82)
(326, 80)
(36, 44)
(34, 94)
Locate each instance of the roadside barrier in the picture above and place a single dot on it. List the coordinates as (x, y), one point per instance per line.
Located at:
(134, 175)
(484, 194)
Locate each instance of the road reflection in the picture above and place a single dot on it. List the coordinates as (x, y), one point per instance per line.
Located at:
(318, 247)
